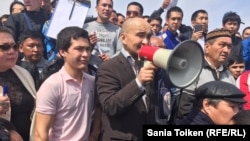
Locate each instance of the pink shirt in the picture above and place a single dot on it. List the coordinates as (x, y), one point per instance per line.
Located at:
(71, 104)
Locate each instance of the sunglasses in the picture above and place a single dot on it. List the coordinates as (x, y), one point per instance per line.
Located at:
(135, 13)
(6, 47)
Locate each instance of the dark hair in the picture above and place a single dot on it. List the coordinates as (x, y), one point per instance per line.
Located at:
(32, 35)
(2, 17)
(231, 16)
(242, 118)
(248, 27)
(120, 14)
(66, 35)
(155, 18)
(174, 9)
(14, 3)
(97, 2)
(137, 4)
(235, 59)
(6, 30)
(195, 14)
(114, 11)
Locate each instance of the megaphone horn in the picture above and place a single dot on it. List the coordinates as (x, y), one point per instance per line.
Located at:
(183, 64)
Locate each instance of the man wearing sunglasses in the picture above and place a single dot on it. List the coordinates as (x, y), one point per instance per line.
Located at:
(134, 9)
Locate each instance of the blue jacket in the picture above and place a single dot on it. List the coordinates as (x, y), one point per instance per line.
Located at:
(246, 52)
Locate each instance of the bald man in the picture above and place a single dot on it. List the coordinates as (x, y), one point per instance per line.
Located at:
(157, 42)
(123, 87)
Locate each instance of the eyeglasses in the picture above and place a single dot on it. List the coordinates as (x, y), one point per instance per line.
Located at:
(6, 47)
(135, 13)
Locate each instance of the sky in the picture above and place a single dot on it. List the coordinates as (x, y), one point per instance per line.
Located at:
(215, 9)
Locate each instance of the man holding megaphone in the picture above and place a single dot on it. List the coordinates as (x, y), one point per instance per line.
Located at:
(124, 86)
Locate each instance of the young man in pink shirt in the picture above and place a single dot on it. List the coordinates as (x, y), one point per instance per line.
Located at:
(65, 101)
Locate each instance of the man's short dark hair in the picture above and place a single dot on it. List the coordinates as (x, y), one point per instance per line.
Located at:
(174, 9)
(243, 31)
(235, 59)
(195, 14)
(137, 4)
(97, 2)
(65, 36)
(157, 18)
(32, 35)
(231, 16)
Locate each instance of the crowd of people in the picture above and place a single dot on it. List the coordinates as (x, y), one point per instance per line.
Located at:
(90, 83)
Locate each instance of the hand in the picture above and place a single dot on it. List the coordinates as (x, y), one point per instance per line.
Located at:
(104, 57)
(4, 104)
(146, 73)
(165, 4)
(93, 39)
(197, 35)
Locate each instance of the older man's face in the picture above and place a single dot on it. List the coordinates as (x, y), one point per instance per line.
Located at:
(218, 51)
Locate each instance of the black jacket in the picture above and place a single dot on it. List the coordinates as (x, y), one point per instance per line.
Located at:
(195, 117)
(23, 23)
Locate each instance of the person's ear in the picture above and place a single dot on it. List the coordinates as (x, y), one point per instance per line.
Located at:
(20, 48)
(205, 105)
(123, 38)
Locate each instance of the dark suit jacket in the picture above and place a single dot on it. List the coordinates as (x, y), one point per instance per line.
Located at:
(124, 112)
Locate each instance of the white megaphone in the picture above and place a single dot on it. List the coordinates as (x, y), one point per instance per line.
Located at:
(183, 64)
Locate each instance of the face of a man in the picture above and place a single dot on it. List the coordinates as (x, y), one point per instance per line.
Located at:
(223, 113)
(113, 18)
(155, 26)
(174, 21)
(32, 5)
(218, 51)
(133, 11)
(8, 52)
(246, 34)
(104, 10)
(78, 54)
(138, 33)
(237, 69)
(233, 26)
(32, 49)
(120, 21)
(201, 19)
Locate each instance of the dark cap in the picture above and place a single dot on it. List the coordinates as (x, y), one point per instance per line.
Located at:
(231, 16)
(220, 90)
(220, 32)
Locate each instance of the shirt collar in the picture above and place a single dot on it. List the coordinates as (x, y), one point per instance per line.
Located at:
(67, 77)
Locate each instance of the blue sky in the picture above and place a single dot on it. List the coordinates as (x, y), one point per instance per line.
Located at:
(215, 9)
